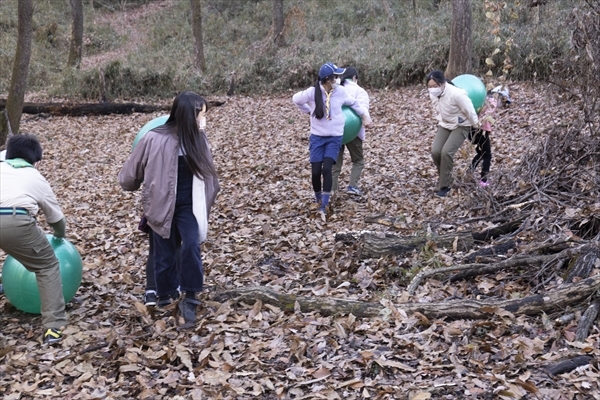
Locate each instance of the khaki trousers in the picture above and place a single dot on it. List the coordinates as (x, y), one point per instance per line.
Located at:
(355, 148)
(445, 145)
(21, 238)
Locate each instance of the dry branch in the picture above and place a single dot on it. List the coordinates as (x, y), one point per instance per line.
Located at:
(463, 309)
(587, 320)
(584, 263)
(480, 269)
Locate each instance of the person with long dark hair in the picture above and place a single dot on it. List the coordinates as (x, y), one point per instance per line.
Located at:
(180, 185)
(324, 102)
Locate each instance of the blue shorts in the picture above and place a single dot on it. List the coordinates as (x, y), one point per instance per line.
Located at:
(324, 146)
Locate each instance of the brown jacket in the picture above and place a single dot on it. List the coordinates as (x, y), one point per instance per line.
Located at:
(154, 162)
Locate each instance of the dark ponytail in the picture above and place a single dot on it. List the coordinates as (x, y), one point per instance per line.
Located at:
(319, 112)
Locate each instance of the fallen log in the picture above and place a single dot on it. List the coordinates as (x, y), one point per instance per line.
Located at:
(77, 110)
(468, 270)
(460, 309)
(568, 365)
(375, 245)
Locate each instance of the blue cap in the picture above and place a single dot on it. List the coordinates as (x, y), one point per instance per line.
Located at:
(330, 69)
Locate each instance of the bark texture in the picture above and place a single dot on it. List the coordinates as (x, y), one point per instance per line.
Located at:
(461, 309)
(18, 82)
(76, 34)
(197, 31)
(461, 42)
(278, 22)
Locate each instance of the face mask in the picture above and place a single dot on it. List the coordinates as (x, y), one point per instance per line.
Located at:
(202, 122)
(201, 118)
(436, 92)
(335, 83)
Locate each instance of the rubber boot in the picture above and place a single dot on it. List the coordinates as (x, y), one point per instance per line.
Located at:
(318, 197)
(323, 207)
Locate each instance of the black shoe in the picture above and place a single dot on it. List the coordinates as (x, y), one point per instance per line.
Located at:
(52, 336)
(443, 192)
(187, 306)
(165, 302)
(150, 298)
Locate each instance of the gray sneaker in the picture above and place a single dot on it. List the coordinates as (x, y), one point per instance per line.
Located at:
(443, 192)
(354, 190)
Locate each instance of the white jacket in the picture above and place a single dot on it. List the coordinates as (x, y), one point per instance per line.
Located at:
(454, 108)
(362, 97)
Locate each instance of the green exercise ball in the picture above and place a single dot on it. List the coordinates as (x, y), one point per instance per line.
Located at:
(148, 127)
(20, 285)
(474, 87)
(352, 125)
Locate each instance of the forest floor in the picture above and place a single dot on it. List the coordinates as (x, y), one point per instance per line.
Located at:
(265, 231)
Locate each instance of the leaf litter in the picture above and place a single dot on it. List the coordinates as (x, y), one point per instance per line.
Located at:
(265, 231)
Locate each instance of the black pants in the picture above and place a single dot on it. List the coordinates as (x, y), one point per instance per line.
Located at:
(483, 147)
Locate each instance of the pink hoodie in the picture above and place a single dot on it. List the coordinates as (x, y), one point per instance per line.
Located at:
(486, 115)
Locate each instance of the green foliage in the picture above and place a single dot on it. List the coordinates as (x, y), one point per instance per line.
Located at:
(389, 42)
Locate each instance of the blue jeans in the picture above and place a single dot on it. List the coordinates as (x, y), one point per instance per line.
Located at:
(184, 230)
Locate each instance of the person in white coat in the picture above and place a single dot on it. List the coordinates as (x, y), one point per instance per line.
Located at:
(355, 147)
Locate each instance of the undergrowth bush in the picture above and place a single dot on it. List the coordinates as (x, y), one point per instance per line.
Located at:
(389, 42)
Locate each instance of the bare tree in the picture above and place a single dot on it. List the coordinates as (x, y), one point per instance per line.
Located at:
(278, 22)
(197, 30)
(76, 33)
(459, 60)
(11, 119)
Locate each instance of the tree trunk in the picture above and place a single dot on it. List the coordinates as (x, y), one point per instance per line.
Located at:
(278, 22)
(463, 309)
(461, 43)
(76, 34)
(18, 82)
(197, 31)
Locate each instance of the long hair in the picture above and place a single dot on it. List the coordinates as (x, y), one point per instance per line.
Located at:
(319, 106)
(193, 141)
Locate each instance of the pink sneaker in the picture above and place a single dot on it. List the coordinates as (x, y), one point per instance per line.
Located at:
(483, 184)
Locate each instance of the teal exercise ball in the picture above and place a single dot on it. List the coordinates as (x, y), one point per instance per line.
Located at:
(474, 87)
(148, 127)
(352, 124)
(20, 285)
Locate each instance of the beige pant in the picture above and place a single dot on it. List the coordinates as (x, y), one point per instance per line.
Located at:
(21, 238)
(445, 145)
(355, 148)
